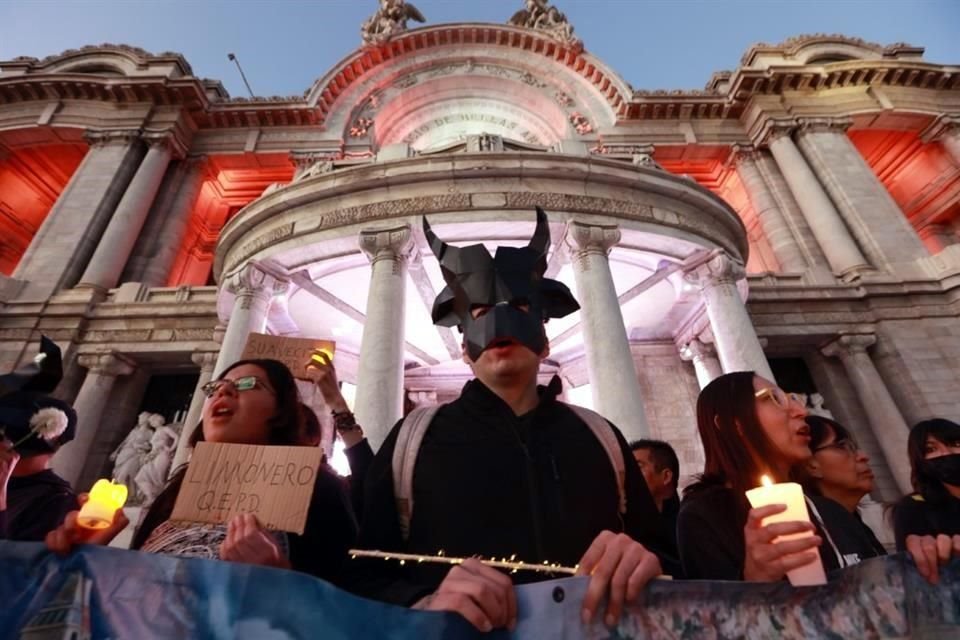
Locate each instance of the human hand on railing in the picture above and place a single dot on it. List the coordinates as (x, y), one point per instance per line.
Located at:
(481, 594)
(64, 538)
(768, 561)
(250, 543)
(619, 565)
(930, 552)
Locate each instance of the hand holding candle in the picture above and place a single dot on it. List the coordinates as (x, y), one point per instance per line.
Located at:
(789, 494)
(104, 500)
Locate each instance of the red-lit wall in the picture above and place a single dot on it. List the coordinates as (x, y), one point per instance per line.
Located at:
(31, 180)
(233, 182)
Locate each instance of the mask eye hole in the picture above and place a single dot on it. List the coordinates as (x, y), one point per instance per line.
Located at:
(520, 303)
(479, 310)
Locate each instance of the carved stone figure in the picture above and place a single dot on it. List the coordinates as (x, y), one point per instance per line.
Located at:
(815, 406)
(129, 456)
(539, 15)
(389, 20)
(163, 444)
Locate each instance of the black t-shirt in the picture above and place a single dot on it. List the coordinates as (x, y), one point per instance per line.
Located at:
(854, 540)
(36, 505)
(915, 515)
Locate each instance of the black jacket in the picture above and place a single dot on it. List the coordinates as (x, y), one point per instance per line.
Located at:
(855, 541)
(914, 515)
(539, 487)
(712, 547)
(36, 505)
(359, 457)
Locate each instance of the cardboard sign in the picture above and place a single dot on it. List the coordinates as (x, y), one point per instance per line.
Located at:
(273, 483)
(293, 352)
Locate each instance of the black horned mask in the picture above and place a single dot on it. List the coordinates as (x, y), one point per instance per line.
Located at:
(42, 375)
(509, 286)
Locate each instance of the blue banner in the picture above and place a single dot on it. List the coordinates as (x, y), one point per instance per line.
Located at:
(109, 593)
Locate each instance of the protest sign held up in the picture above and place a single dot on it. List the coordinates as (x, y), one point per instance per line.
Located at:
(293, 352)
(273, 483)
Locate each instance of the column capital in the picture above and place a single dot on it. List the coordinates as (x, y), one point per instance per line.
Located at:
(105, 137)
(395, 244)
(697, 350)
(720, 269)
(772, 130)
(251, 280)
(741, 153)
(206, 360)
(167, 140)
(946, 125)
(107, 364)
(584, 238)
(825, 125)
(849, 345)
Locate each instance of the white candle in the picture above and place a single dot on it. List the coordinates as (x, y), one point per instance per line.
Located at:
(791, 495)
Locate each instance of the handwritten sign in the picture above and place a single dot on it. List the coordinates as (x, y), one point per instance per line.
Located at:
(293, 352)
(273, 483)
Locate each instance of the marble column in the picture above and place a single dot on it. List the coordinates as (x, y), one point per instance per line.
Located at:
(167, 224)
(734, 337)
(379, 399)
(69, 233)
(253, 290)
(121, 235)
(206, 361)
(772, 221)
(886, 421)
(610, 367)
(872, 215)
(102, 372)
(704, 359)
(832, 235)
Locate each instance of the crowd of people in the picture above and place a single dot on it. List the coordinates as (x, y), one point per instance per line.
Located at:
(509, 470)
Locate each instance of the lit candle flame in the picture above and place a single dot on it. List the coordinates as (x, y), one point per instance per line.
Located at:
(766, 481)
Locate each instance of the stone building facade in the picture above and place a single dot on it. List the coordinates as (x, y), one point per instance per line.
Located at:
(799, 217)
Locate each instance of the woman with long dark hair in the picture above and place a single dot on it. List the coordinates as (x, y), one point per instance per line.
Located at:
(836, 478)
(251, 402)
(749, 428)
(927, 522)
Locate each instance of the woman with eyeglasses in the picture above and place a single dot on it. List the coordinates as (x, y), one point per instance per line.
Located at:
(927, 522)
(836, 478)
(749, 428)
(252, 402)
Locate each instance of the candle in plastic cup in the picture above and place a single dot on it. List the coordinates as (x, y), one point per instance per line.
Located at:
(105, 498)
(791, 495)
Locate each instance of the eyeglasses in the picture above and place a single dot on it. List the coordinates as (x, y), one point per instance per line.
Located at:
(846, 445)
(779, 397)
(246, 383)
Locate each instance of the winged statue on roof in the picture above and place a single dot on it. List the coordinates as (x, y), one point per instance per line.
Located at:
(389, 20)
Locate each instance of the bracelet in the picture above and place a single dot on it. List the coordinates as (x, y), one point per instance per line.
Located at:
(344, 421)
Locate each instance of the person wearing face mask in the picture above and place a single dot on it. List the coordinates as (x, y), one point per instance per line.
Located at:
(252, 402)
(927, 522)
(749, 428)
(835, 480)
(506, 469)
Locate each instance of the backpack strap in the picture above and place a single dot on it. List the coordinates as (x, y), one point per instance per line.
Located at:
(409, 438)
(608, 439)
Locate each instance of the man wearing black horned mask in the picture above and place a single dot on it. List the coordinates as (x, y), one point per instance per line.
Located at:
(506, 470)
